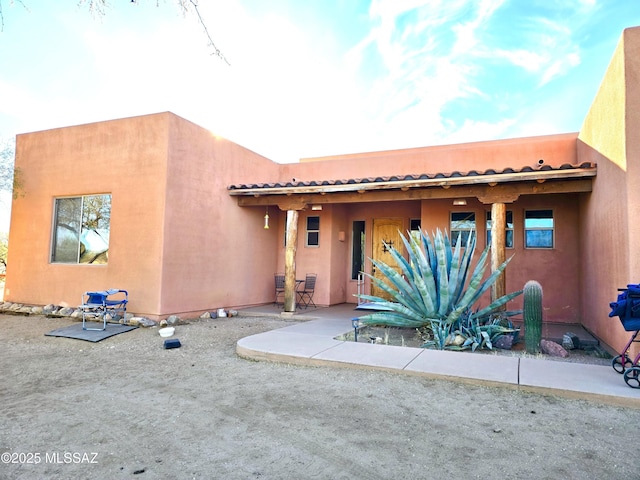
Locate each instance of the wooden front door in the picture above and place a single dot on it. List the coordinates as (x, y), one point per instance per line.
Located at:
(387, 229)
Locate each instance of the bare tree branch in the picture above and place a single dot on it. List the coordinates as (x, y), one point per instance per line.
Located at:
(11, 2)
(98, 8)
(216, 50)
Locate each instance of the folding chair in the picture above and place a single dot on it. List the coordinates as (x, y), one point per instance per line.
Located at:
(279, 283)
(98, 305)
(305, 295)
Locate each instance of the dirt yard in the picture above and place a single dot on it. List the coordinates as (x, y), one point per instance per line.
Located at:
(127, 408)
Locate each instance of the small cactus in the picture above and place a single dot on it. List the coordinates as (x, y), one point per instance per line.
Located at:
(532, 316)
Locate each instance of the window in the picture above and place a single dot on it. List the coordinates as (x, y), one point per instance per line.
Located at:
(508, 236)
(538, 229)
(81, 229)
(462, 224)
(414, 228)
(313, 231)
(357, 249)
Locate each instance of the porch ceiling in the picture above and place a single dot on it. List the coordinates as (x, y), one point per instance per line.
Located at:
(489, 186)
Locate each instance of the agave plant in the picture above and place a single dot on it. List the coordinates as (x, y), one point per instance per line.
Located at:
(436, 287)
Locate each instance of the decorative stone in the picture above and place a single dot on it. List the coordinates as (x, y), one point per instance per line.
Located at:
(552, 348)
(76, 314)
(163, 323)
(36, 310)
(504, 342)
(173, 320)
(66, 311)
(205, 315)
(47, 309)
(145, 322)
(570, 341)
(233, 313)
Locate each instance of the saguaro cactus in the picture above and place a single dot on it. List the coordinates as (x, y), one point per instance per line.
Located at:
(532, 316)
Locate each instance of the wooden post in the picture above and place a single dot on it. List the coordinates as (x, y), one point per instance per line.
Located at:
(498, 241)
(290, 261)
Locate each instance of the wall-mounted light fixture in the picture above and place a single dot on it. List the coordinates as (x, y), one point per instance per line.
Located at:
(316, 207)
(459, 201)
(266, 220)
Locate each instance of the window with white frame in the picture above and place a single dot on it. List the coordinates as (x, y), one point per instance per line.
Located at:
(508, 234)
(538, 229)
(462, 224)
(313, 231)
(81, 229)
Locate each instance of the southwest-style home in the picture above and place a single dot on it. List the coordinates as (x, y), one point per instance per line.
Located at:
(165, 209)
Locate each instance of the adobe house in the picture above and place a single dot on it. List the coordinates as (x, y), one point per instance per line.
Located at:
(165, 209)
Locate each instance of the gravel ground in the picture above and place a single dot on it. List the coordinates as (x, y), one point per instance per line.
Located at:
(127, 408)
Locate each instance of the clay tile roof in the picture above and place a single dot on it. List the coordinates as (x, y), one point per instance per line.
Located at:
(420, 180)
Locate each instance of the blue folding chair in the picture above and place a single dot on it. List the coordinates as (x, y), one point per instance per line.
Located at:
(98, 304)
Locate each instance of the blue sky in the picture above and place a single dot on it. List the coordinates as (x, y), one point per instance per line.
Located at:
(314, 77)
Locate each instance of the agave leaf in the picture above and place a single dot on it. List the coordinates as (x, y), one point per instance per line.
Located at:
(490, 280)
(454, 272)
(464, 266)
(493, 306)
(425, 280)
(391, 319)
(476, 286)
(443, 274)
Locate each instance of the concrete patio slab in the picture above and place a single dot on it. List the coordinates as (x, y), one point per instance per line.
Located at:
(309, 340)
(584, 380)
(277, 344)
(371, 355)
(489, 368)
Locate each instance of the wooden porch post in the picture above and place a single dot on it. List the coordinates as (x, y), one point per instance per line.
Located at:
(290, 261)
(498, 241)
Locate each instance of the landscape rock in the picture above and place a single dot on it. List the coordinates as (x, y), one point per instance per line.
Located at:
(145, 322)
(49, 309)
(66, 311)
(570, 341)
(553, 349)
(205, 315)
(504, 342)
(173, 320)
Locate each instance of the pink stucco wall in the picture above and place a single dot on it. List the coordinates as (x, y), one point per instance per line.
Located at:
(124, 158)
(178, 242)
(553, 149)
(609, 225)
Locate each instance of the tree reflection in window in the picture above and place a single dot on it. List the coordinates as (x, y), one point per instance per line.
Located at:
(81, 229)
(462, 224)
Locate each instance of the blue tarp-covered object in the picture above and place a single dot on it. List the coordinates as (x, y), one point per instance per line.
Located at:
(627, 307)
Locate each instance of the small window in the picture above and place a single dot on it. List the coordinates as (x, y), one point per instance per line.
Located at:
(508, 236)
(538, 229)
(313, 231)
(81, 229)
(414, 227)
(462, 224)
(357, 249)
